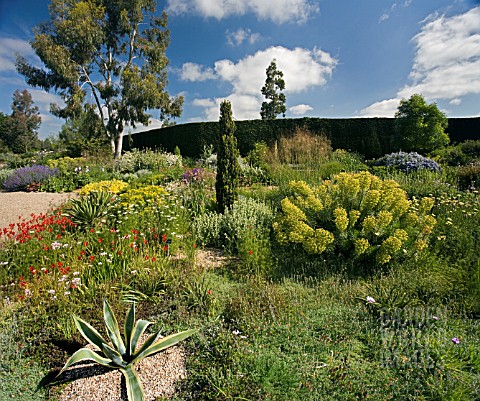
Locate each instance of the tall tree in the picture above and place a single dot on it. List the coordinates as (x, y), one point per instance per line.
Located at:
(83, 134)
(114, 51)
(272, 90)
(420, 126)
(228, 169)
(20, 129)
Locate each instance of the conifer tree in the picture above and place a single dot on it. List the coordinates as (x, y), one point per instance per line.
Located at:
(228, 169)
(275, 103)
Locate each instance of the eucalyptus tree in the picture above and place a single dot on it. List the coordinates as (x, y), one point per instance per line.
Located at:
(111, 53)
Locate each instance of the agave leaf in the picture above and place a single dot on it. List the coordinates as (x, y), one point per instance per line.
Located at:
(112, 328)
(89, 333)
(128, 329)
(133, 384)
(113, 355)
(84, 354)
(161, 344)
(138, 330)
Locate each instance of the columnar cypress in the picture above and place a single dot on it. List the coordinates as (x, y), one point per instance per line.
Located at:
(228, 169)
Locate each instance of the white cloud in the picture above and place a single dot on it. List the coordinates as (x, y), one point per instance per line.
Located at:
(385, 108)
(203, 102)
(446, 63)
(194, 72)
(302, 69)
(300, 109)
(456, 102)
(241, 35)
(8, 49)
(279, 11)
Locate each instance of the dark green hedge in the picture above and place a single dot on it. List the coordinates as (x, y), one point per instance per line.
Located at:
(371, 137)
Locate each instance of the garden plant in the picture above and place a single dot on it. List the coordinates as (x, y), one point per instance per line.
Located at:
(328, 278)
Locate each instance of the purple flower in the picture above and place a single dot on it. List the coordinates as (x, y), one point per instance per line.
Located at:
(23, 177)
(455, 340)
(370, 300)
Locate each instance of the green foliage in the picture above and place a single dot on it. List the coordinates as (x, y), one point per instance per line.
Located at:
(83, 134)
(275, 103)
(19, 374)
(469, 176)
(459, 155)
(19, 131)
(90, 209)
(246, 217)
(122, 351)
(420, 126)
(228, 169)
(135, 160)
(354, 216)
(74, 44)
(369, 137)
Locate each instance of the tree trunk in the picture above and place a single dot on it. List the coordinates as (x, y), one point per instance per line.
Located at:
(118, 145)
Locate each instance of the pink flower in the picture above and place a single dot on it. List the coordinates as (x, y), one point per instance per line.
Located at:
(455, 340)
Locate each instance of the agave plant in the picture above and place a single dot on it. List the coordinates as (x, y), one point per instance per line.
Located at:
(122, 352)
(88, 209)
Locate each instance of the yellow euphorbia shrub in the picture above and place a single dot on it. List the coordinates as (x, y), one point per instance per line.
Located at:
(142, 196)
(355, 214)
(113, 186)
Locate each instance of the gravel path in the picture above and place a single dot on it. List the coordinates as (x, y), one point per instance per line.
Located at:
(14, 204)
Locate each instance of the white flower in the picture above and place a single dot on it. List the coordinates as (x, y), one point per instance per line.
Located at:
(56, 245)
(51, 291)
(370, 300)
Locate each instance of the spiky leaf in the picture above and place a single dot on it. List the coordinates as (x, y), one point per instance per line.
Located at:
(128, 329)
(138, 330)
(112, 328)
(150, 348)
(89, 333)
(84, 354)
(133, 384)
(114, 356)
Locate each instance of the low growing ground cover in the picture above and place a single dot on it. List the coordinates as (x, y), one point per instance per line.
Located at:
(308, 308)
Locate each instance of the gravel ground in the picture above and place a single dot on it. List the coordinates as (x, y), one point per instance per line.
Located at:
(15, 204)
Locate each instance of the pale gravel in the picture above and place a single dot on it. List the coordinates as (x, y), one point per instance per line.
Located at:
(15, 204)
(158, 374)
(90, 382)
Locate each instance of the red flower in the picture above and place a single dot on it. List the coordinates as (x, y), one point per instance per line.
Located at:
(165, 247)
(154, 259)
(60, 264)
(85, 243)
(164, 237)
(147, 257)
(92, 230)
(250, 252)
(194, 246)
(209, 292)
(92, 258)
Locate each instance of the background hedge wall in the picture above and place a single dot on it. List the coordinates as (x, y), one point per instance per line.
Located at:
(371, 137)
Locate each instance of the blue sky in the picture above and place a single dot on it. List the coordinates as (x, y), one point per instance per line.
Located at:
(340, 58)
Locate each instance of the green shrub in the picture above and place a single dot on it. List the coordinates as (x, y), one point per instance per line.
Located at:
(469, 176)
(354, 216)
(232, 228)
(147, 159)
